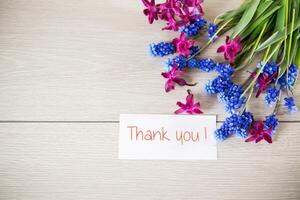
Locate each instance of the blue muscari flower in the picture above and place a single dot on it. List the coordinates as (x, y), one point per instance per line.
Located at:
(211, 30)
(228, 128)
(232, 98)
(290, 104)
(190, 30)
(162, 49)
(179, 60)
(218, 85)
(202, 64)
(225, 70)
(271, 122)
(272, 94)
(194, 50)
(193, 28)
(235, 124)
(244, 123)
(292, 76)
(270, 68)
(200, 22)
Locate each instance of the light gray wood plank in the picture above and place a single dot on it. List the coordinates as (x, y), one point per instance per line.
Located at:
(79, 161)
(88, 60)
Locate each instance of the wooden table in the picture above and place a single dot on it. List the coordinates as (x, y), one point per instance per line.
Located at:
(69, 68)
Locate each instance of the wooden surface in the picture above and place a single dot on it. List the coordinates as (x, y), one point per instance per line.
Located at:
(69, 68)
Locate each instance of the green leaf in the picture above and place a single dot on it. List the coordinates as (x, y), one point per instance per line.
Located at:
(258, 30)
(290, 50)
(259, 21)
(263, 7)
(297, 56)
(296, 6)
(280, 20)
(278, 35)
(232, 14)
(246, 18)
(249, 56)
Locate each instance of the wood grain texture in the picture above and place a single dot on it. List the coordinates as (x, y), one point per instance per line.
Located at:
(88, 60)
(79, 161)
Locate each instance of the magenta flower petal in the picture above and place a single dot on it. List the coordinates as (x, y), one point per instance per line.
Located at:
(179, 81)
(258, 126)
(183, 45)
(197, 111)
(169, 85)
(180, 104)
(230, 49)
(258, 132)
(180, 110)
(172, 77)
(267, 137)
(190, 99)
(258, 139)
(189, 107)
(221, 49)
(151, 10)
(264, 81)
(251, 139)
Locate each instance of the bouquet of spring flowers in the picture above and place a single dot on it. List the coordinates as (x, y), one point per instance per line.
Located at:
(264, 30)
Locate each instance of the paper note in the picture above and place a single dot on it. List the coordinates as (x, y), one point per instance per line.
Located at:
(168, 137)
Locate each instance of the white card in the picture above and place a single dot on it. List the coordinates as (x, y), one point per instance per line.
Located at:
(169, 137)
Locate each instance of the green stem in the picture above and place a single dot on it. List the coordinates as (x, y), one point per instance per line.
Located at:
(248, 98)
(249, 59)
(280, 20)
(297, 57)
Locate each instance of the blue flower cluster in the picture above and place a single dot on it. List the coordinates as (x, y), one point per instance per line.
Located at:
(218, 85)
(228, 92)
(232, 98)
(162, 49)
(270, 68)
(224, 70)
(290, 104)
(194, 49)
(179, 60)
(272, 94)
(235, 124)
(206, 64)
(292, 76)
(193, 28)
(271, 122)
(211, 30)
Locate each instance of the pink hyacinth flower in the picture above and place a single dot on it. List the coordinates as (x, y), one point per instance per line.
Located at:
(189, 107)
(151, 10)
(258, 132)
(187, 16)
(172, 77)
(183, 45)
(230, 49)
(172, 24)
(194, 4)
(264, 81)
(166, 10)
